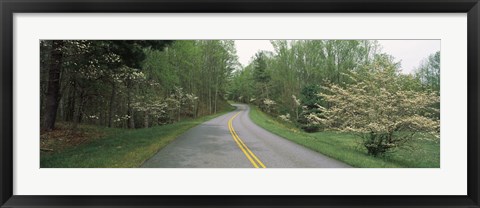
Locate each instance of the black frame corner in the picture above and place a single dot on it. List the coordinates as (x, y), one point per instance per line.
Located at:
(9, 7)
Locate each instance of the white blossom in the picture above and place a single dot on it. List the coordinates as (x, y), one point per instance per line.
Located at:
(296, 101)
(285, 117)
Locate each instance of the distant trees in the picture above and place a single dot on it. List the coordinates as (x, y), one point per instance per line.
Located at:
(261, 76)
(309, 100)
(132, 84)
(429, 72)
(296, 65)
(344, 85)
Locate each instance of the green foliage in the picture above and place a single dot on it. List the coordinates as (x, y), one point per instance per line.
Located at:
(241, 87)
(295, 65)
(309, 101)
(261, 78)
(362, 90)
(135, 84)
(345, 147)
(139, 83)
(429, 72)
(260, 66)
(377, 108)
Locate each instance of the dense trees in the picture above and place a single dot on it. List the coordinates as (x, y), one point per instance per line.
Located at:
(297, 66)
(90, 73)
(429, 72)
(378, 108)
(132, 84)
(53, 85)
(343, 85)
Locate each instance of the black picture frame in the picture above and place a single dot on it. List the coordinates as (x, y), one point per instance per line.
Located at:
(9, 7)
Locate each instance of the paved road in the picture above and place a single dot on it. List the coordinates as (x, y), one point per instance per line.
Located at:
(234, 141)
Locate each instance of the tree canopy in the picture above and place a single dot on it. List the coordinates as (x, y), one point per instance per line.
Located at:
(317, 85)
(133, 83)
(344, 85)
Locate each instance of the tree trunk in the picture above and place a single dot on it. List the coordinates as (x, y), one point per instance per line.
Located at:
(53, 88)
(112, 100)
(81, 106)
(216, 97)
(196, 110)
(216, 94)
(209, 101)
(61, 108)
(178, 114)
(145, 119)
(131, 122)
(266, 91)
(70, 101)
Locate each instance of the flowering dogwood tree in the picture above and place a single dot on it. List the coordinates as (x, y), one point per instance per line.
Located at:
(268, 104)
(378, 109)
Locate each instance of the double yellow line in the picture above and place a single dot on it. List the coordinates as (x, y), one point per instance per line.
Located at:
(250, 156)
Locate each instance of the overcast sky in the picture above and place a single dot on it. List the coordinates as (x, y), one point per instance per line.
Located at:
(409, 52)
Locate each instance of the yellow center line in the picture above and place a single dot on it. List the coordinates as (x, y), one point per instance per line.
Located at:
(248, 153)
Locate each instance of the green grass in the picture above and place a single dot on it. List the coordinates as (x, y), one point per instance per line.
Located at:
(347, 148)
(121, 148)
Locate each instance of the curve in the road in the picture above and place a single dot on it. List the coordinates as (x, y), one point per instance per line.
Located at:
(234, 141)
(248, 153)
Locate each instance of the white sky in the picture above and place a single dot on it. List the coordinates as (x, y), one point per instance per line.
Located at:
(409, 52)
(246, 49)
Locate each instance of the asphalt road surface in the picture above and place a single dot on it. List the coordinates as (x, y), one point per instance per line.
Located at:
(234, 141)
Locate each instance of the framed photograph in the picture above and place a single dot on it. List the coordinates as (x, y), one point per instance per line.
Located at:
(239, 104)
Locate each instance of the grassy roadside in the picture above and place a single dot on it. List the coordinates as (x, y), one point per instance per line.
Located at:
(120, 148)
(346, 147)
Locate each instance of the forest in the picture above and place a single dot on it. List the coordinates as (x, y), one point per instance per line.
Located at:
(348, 87)
(343, 85)
(133, 84)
